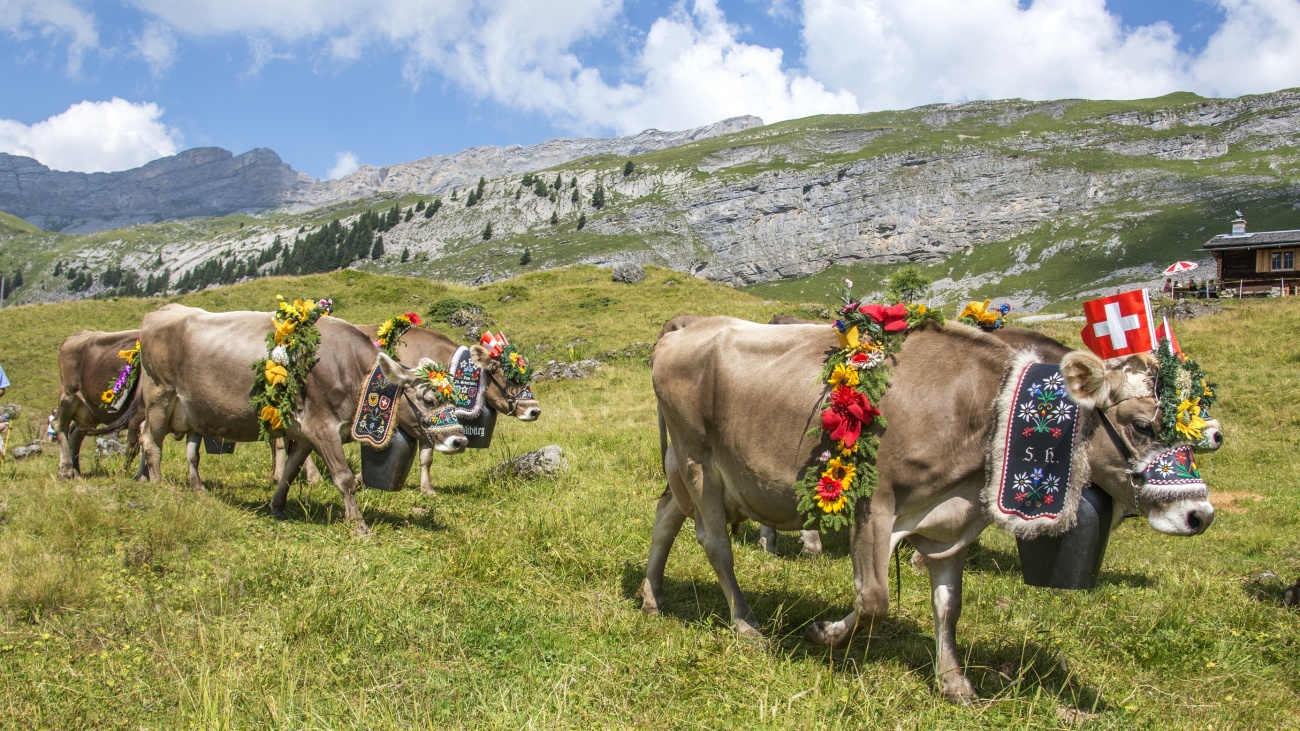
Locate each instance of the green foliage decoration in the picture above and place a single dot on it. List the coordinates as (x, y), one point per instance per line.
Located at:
(291, 351)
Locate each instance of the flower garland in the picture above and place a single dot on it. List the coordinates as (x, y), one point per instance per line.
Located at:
(126, 377)
(982, 316)
(391, 331)
(439, 379)
(1185, 396)
(514, 365)
(868, 334)
(291, 352)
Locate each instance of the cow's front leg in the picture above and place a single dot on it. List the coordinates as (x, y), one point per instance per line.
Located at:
(192, 442)
(870, 544)
(331, 450)
(811, 541)
(668, 523)
(426, 461)
(945, 598)
(70, 452)
(300, 451)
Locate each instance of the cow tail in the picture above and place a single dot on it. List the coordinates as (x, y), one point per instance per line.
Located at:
(123, 418)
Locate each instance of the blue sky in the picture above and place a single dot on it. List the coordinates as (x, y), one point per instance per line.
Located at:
(329, 84)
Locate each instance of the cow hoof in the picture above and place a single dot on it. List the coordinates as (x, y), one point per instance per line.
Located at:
(361, 530)
(810, 553)
(959, 692)
(428, 491)
(649, 605)
(749, 631)
(826, 634)
(198, 487)
(279, 515)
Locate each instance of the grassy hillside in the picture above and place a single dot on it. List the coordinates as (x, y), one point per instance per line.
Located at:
(501, 603)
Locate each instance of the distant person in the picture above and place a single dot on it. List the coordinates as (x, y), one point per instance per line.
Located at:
(1169, 288)
(4, 381)
(50, 434)
(4, 432)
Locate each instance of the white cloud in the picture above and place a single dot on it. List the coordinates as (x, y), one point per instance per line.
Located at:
(93, 137)
(51, 18)
(156, 44)
(345, 163)
(1257, 49)
(262, 52)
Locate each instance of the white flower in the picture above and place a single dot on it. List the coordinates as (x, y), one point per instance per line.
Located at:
(848, 283)
(826, 456)
(280, 355)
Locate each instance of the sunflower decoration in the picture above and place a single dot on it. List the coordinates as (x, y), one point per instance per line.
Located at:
(1185, 395)
(391, 331)
(126, 376)
(867, 335)
(291, 349)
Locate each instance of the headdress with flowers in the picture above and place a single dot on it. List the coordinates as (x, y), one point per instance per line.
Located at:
(291, 352)
(984, 316)
(126, 377)
(858, 377)
(1185, 396)
(390, 333)
(513, 364)
(439, 379)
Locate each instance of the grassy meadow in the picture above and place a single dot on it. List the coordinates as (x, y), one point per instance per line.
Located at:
(502, 603)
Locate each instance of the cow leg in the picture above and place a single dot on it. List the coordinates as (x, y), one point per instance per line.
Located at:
(945, 598)
(299, 452)
(711, 532)
(812, 542)
(331, 450)
(870, 544)
(767, 538)
(192, 453)
(668, 523)
(278, 455)
(426, 461)
(70, 452)
(313, 474)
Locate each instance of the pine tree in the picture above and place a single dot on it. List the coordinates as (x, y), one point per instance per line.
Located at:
(628, 168)
(575, 198)
(453, 194)
(157, 263)
(527, 180)
(527, 257)
(582, 220)
(539, 189)
(58, 268)
(573, 182)
(433, 208)
(410, 213)
(487, 231)
(598, 197)
(406, 254)
(517, 192)
(18, 279)
(471, 199)
(478, 193)
(555, 217)
(419, 205)
(558, 183)
(377, 252)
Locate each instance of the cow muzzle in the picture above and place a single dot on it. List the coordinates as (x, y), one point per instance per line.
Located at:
(1182, 517)
(528, 411)
(444, 431)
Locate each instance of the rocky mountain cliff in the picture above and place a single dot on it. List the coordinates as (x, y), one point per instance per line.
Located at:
(1036, 202)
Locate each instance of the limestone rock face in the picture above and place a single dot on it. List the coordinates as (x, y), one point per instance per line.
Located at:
(205, 181)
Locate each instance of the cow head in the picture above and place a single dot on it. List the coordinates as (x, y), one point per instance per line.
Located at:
(1126, 453)
(506, 394)
(431, 416)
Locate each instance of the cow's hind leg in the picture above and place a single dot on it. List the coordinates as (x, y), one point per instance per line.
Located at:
(711, 532)
(945, 598)
(668, 523)
(192, 453)
(299, 452)
(73, 438)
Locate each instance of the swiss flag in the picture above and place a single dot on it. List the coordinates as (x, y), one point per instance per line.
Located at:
(1164, 332)
(1119, 325)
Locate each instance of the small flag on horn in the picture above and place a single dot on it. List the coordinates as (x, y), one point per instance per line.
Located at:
(494, 343)
(1119, 325)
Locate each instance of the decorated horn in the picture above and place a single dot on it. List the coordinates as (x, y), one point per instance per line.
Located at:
(494, 343)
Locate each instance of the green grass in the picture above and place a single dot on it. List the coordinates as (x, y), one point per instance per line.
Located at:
(500, 603)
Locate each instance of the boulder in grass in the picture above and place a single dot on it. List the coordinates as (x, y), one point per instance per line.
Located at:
(31, 450)
(108, 446)
(628, 273)
(577, 370)
(545, 461)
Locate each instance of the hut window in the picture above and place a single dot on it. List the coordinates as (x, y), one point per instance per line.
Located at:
(1282, 261)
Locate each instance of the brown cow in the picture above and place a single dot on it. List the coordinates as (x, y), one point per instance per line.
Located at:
(502, 396)
(196, 382)
(89, 365)
(738, 399)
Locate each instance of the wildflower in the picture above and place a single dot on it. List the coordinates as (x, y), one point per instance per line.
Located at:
(1189, 422)
(841, 471)
(843, 376)
(849, 340)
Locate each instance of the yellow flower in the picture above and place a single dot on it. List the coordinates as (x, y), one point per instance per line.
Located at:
(271, 416)
(922, 309)
(832, 506)
(107, 396)
(283, 330)
(1189, 422)
(275, 373)
(384, 329)
(847, 451)
(843, 375)
(981, 312)
(848, 340)
(844, 471)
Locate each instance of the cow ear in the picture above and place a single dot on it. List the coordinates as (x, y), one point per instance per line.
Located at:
(482, 358)
(1085, 378)
(393, 370)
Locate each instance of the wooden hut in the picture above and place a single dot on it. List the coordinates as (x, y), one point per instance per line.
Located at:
(1256, 263)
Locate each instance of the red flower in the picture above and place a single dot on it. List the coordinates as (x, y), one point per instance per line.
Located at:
(850, 411)
(1027, 431)
(829, 489)
(891, 319)
(414, 318)
(1056, 433)
(1020, 497)
(1048, 499)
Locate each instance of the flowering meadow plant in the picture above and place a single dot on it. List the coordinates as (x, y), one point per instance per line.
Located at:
(858, 377)
(291, 352)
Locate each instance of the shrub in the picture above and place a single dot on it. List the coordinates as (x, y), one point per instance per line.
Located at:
(906, 285)
(445, 308)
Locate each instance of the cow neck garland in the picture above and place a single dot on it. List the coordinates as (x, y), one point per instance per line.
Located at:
(389, 335)
(291, 348)
(868, 334)
(126, 378)
(1185, 396)
(983, 316)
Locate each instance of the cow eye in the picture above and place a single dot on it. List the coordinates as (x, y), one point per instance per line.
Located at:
(1144, 427)
(429, 398)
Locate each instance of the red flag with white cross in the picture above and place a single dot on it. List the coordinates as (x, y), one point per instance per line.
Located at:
(1164, 332)
(1119, 325)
